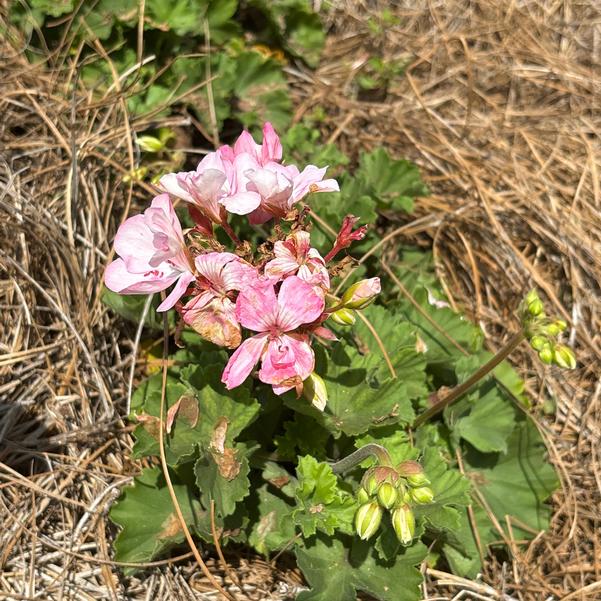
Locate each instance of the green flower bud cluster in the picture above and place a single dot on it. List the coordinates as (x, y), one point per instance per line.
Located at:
(543, 332)
(395, 490)
(356, 297)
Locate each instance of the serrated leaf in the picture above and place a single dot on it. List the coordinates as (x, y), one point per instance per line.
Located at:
(361, 392)
(200, 384)
(336, 574)
(273, 528)
(393, 183)
(225, 489)
(321, 505)
(131, 307)
(147, 518)
(302, 436)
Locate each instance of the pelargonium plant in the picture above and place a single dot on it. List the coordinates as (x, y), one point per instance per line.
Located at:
(279, 368)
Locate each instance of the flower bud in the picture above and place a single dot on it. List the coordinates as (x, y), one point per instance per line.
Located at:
(413, 472)
(367, 520)
(557, 327)
(314, 390)
(362, 496)
(535, 308)
(403, 522)
(361, 294)
(546, 354)
(422, 495)
(538, 342)
(387, 495)
(564, 356)
(150, 143)
(343, 317)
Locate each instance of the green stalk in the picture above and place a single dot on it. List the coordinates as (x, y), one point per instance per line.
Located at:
(461, 389)
(354, 459)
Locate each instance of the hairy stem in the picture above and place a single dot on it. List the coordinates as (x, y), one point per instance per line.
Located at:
(354, 459)
(464, 387)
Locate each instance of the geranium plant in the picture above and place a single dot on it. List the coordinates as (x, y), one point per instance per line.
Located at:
(302, 409)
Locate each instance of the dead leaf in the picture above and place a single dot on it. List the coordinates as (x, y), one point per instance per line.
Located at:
(150, 423)
(219, 434)
(171, 413)
(170, 527)
(227, 464)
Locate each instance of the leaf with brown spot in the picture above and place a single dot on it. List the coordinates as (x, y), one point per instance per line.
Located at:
(219, 434)
(227, 464)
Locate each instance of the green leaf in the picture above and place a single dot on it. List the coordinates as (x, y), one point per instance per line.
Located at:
(131, 307)
(223, 477)
(205, 406)
(393, 183)
(147, 518)
(321, 504)
(334, 574)
(361, 392)
(450, 326)
(489, 422)
(451, 490)
(302, 436)
(273, 529)
(516, 483)
(460, 548)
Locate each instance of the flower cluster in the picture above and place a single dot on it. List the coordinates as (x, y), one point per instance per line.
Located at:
(280, 297)
(543, 333)
(394, 489)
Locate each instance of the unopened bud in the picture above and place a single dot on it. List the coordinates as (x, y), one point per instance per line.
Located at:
(535, 308)
(367, 520)
(546, 354)
(362, 496)
(564, 356)
(538, 342)
(314, 390)
(343, 317)
(387, 495)
(361, 294)
(556, 328)
(422, 495)
(150, 143)
(413, 472)
(403, 522)
(371, 485)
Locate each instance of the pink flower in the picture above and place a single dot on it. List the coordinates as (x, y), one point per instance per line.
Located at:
(152, 254)
(212, 312)
(295, 256)
(205, 187)
(263, 188)
(286, 356)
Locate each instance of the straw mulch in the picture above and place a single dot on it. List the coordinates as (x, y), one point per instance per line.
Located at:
(499, 106)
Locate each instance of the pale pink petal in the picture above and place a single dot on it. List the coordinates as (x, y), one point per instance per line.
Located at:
(178, 291)
(211, 265)
(118, 279)
(241, 203)
(239, 274)
(171, 184)
(246, 144)
(311, 180)
(226, 152)
(257, 307)
(287, 358)
(243, 360)
(133, 243)
(281, 266)
(271, 150)
(298, 303)
(196, 304)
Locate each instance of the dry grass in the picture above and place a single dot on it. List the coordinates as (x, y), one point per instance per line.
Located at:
(501, 109)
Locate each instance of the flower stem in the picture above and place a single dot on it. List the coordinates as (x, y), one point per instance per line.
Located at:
(230, 232)
(354, 459)
(462, 388)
